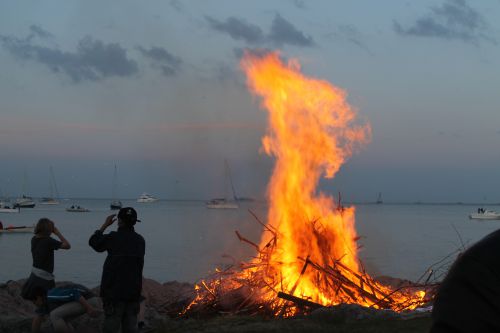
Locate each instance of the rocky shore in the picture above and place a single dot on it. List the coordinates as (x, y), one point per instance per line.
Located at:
(162, 302)
(165, 300)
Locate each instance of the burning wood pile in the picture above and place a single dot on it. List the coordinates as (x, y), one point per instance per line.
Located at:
(258, 287)
(307, 256)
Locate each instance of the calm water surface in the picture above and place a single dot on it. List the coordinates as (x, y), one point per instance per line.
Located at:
(185, 241)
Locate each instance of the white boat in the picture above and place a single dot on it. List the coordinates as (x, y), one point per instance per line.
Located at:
(7, 209)
(483, 214)
(77, 209)
(25, 202)
(225, 203)
(145, 197)
(50, 200)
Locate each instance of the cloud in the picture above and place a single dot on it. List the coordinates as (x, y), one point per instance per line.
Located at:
(228, 74)
(301, 4)
(177, 5)
(454, 20)
(283, 32)
(238, 29)
(93, 60)
(256, 51)
(39, 32)
(168, 63)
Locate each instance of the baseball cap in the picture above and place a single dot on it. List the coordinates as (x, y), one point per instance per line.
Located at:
(128, 214)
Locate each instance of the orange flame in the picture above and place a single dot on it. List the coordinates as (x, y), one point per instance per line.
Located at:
(309, 250)
(312, 131)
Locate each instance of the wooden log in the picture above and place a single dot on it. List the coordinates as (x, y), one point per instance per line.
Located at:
(243, 239)
(299, 301)
(300, 276)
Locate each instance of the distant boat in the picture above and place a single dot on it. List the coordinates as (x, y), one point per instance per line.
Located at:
(77, 209)
(221, 203)
(7, 209)
(24, 202)
(115, 204)
(145, 198)
(483, 214)
(225, 203)
(379, 199)
(54, 193)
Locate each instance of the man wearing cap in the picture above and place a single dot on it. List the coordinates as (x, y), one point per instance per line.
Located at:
(121, 281)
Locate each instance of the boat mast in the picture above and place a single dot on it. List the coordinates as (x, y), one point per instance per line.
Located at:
(113, 193)
(53, 184)
(228, 174)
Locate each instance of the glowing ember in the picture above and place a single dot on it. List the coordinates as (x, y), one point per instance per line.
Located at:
(309, 249)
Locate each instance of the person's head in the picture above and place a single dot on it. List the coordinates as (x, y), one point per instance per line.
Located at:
(127, 216)
(44, 227)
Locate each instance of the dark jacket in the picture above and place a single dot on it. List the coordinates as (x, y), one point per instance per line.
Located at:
(122, 271)
(468, 299)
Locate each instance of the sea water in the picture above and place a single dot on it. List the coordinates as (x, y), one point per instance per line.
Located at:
(185, 241)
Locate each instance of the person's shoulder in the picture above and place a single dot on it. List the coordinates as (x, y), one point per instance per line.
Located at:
(139, 237)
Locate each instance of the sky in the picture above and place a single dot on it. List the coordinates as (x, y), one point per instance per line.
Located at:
(155, 88)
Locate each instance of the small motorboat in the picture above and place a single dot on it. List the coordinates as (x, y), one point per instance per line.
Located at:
(115, 205)
(484, 214)
(146, 197)
(7, 209)
(77, 209)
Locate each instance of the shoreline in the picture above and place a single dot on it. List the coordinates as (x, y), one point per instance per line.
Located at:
(163, 301)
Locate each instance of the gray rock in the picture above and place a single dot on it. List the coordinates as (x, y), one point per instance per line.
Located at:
(165, 299)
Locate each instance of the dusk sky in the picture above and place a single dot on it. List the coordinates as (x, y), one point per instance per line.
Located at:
(155, 88)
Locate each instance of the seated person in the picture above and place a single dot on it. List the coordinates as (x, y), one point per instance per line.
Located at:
(468, 299)
(64, 303)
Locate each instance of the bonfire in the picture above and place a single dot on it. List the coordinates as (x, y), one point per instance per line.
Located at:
(308, 254)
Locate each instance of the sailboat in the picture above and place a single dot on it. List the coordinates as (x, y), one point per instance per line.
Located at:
(224, 203)
(54, 193)
(115, 203)
(24, 201)
(379, 199)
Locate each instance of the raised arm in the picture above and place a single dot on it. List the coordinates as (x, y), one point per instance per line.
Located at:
(98, 241)
(65, 244)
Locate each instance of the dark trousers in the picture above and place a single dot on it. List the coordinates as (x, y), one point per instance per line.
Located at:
(120, 314)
